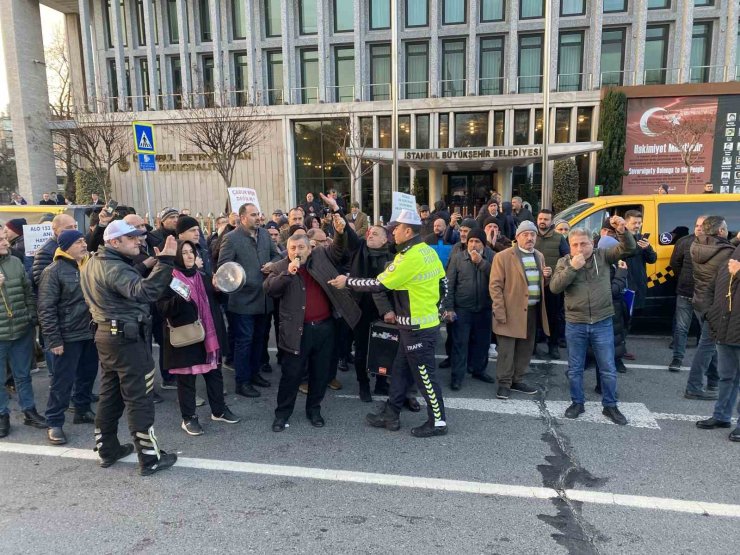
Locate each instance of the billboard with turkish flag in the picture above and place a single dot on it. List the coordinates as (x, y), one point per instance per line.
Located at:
(659, 132)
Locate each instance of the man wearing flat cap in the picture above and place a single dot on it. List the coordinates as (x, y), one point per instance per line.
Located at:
(517, 286)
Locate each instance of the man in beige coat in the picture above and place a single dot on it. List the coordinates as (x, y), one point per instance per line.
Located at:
(517, 283)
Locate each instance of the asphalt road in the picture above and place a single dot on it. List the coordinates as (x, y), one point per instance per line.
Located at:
(510, 477)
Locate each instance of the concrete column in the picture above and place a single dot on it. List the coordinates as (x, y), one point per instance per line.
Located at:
(503, 181)
(362, 66)
(214, 6)
(511, 70)
(29, 97)
(554, 41)
(151, 54)
(324, 24)
(290, 56)
(117, 37)
(637, 52)
(74, 53)
(731, 55)
(592, 63)
(254, 32)
(184, 33)
(435, 19)
(435, 185)
(87, 54)
(681, 58)
(473, 44)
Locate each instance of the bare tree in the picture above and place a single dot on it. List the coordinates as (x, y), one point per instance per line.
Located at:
(686, 135)
(101, 142)
(225, 135)
(351, 143)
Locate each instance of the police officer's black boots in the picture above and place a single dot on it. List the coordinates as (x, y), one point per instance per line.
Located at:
(387, 418)
(151, 457)
(109, 449)
(428, 429)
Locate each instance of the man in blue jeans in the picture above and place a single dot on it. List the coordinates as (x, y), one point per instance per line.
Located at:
(17, 337)
(684, 313)
(709, 254)
(584, 277)
(251, 247)
(724, 324)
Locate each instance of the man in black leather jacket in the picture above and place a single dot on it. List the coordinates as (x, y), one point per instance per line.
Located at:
(65, 324)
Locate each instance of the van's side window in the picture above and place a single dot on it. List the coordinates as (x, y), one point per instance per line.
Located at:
(678, 218)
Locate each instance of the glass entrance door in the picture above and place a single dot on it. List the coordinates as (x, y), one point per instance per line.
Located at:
(469, 191)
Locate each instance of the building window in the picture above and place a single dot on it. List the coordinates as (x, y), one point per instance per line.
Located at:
(700, 3)
(344, 16)
(176, 76)
(404, 131)
(384, 132)
(316, 163)
(344, 72)
(612, 57)
(273, 21)
(417, 70)
(499, 128)
(380, 72)
(570, 61)
(453, 68)
(531, 9)
(141, 22)
(204, 15)
(492, 10)
(701, 52)
(656, 54)
(583, 124)
(241, 79)
(530, 64)
(521, 127)
(572, 7)
(122, 18)
(112, 79)
(471, 130)
(444, 131)
(453, 11)
(172, 27)
(239, 19)
(417, 13)
(275, 77)
(309, 76)
(491, 66)
(659, 4)
(613, 6)
(307, 17)
(562, 125)
(145, 90)
(422, 131)
(380, 14)
(208, 80)
(538, 127)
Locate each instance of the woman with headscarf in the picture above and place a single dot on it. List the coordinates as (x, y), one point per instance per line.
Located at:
(190, 298)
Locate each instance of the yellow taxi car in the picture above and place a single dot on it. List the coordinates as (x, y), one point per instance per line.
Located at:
(666, 218)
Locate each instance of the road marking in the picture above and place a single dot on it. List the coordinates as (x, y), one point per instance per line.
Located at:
(415, 482)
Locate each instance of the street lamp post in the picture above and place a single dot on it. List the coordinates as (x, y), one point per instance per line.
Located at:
(546, 189)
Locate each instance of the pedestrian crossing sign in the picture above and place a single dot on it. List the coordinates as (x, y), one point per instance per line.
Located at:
(144, 138)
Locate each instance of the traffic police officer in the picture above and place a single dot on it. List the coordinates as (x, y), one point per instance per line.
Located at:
(417, 279)
(119, 300)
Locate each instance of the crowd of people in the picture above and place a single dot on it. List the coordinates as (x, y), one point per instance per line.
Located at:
(503, 283)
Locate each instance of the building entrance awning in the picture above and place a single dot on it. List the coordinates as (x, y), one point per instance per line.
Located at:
(477, 158)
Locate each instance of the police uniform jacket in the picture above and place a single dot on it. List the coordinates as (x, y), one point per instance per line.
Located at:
(114, 290)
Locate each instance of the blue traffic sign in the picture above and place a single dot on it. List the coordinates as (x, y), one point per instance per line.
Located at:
(147, 163)
(144, 138)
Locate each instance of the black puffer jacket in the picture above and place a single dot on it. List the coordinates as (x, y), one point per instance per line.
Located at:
(43, 257)
(724, 314)
(179, 312)
(468, 283)
(682, 266)
(709, 255)
(291, 290)
(18, 305)
(63, 313)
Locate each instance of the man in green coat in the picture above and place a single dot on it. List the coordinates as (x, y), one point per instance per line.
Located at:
(17, 337)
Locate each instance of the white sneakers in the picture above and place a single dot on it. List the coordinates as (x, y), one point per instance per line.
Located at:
(492, 351)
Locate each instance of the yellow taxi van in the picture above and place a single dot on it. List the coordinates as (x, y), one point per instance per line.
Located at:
(666, 218)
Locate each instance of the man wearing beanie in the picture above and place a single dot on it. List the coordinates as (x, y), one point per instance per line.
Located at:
(167, 226)
(517, 288)
(14, 233)
(468, 307)
(65, 324)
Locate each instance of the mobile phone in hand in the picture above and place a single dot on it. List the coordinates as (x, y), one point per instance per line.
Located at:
(646, 236)
(110, 207)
